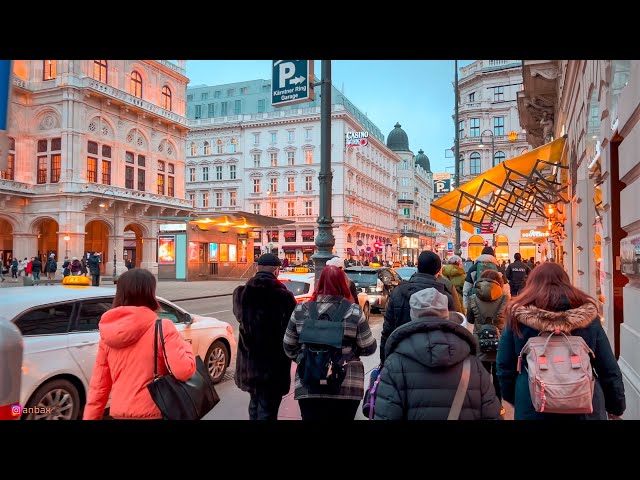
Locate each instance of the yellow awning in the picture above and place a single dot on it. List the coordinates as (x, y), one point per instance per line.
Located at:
(462, 199)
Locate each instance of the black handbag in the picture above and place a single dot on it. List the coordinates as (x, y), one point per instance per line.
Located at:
(176, 400)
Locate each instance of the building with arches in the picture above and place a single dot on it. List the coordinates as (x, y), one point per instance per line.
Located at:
(96, 146)
(488, 114)
(595, 103)
(245, 155)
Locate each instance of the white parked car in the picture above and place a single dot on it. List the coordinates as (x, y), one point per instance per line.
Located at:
(60, 329)
(302, 286)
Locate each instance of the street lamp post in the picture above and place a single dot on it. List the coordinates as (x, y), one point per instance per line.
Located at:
(493, 153)
(104, 205)
(66, 239)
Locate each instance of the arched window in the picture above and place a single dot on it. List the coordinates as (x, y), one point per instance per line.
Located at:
(207, 148)
(348, 238)
(49, 69)
(194, 149)
(166, 98)
(136, 84)
(498, 158)
(476, 244)
(219, 145)
(232, 146)
(100, 70)
(475, 164)
(502, 247)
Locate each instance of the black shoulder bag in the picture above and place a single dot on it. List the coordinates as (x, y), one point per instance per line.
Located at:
(176, 400)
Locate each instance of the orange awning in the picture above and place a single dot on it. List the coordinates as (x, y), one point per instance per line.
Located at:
(518, 183)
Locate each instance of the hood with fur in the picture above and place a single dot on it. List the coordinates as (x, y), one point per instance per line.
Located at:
(565, 321)
(487, 258)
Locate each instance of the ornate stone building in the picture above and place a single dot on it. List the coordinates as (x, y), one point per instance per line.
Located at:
(488, 113)
(415, 192)
(596, 104)
(96, 148)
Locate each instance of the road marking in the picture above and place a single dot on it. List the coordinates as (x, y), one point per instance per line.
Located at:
(211, 313)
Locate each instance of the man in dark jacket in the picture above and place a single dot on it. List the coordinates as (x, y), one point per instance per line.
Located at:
(397, 309)
(51, 267)
(263, 308)
(94, 269)
(424, 364)
(36, 270)
(516, 274)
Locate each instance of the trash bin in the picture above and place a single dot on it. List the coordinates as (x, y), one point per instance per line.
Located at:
(11, 345)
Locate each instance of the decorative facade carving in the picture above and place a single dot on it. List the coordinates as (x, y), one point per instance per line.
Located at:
(48, 122)
(548, 72)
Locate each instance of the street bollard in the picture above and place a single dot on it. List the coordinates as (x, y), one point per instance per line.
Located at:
(11, 346)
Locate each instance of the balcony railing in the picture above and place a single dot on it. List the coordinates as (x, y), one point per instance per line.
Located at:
(173, 66)
(135, 195)
(132, 101)
(12, 186)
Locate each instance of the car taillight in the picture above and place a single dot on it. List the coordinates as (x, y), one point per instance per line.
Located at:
(302, 299)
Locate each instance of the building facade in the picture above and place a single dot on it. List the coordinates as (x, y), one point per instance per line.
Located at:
(96, 147)
(595, 103)
(415, 192)
(254, 158)
(488, 114)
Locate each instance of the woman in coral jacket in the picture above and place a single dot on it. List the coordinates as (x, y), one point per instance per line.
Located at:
(124, 364)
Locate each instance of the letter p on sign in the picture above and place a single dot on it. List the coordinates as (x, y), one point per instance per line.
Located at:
(287, 70)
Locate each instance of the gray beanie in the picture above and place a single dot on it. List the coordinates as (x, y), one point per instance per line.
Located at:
(428, 303)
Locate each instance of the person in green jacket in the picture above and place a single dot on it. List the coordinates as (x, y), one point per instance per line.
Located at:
(455, 273)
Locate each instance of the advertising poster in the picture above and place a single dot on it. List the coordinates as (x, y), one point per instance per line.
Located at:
(233, 253)
(224, 252)
(242, 250)
(213, 252)
(192, 255)
(167, 249)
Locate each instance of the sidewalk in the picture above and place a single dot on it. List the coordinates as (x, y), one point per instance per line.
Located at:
(171, 290)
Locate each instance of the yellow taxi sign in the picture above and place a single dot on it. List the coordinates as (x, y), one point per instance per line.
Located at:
(76, 280)
(301, 270)
(374, 264)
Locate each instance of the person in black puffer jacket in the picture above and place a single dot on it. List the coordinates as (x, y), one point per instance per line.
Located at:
(396, 311)
(423, 366)
(549, 302)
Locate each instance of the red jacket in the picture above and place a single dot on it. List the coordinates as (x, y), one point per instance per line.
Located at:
(124, 364)
(29, 267)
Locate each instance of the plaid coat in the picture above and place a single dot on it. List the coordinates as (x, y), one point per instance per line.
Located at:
(358, 340)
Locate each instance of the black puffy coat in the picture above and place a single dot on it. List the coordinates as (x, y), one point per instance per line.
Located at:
(397, 309)
(94, 265)
(582, 321)
(263, 307)
(422, 371)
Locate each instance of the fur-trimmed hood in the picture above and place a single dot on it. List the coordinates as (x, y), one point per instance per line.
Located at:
(565, 321)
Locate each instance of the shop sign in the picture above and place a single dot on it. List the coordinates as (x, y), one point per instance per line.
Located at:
(356, 139)
(533, 234)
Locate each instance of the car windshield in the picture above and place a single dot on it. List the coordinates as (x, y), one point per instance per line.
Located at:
(362, 278)
(297, 287)
(406, 272)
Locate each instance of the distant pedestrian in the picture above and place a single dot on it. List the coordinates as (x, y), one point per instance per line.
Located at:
(263, 307)
(285, 263)
(76, 266)
(129, 264)
(125, 360)
(29, 268)
(66, 267)
(51, 267)
(94, 269)
(531, 263)
(83, 266)
(36, 270)
(22, 265)
(14, 269)
(455, 273)
(516, 274)
(336, 262)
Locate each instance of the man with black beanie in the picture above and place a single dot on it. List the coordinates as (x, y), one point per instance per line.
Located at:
(263, 307)
(397, 311)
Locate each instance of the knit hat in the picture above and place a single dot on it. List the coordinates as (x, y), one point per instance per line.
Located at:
(269, 259)
(429, 262)
(488, 251)
(428, 303)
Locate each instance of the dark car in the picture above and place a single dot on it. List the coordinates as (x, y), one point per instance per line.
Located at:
(376, 282)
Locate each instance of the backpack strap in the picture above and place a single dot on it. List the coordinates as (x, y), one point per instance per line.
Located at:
(342, 309)
(312, 306)
(461, 392)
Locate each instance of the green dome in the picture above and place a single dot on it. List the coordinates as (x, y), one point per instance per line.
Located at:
(398, 140)
(423, 161)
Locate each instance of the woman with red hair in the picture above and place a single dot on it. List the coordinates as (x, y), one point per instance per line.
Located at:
(337, 401)
(547, 303)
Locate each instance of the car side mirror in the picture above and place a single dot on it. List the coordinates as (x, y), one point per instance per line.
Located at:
(187, 319)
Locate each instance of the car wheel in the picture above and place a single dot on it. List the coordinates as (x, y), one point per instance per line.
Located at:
(217, 360)
(367, 311)
(55, 400)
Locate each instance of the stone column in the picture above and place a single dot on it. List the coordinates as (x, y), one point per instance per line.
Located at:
(24, 245)
(149, 249)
